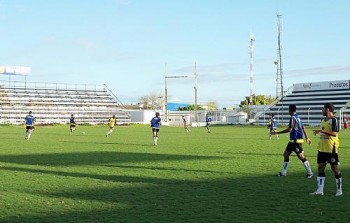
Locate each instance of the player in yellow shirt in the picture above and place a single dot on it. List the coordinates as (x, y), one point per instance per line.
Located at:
(328, 150)
(111, 124)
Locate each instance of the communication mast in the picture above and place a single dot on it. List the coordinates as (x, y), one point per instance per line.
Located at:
(278, 62)
(252, 39)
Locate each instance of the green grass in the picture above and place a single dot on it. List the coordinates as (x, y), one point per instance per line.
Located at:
(226, 176)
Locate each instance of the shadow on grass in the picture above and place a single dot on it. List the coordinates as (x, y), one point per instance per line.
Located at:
(111, 143)
(258, 198)
(93, 158)
(246, 199)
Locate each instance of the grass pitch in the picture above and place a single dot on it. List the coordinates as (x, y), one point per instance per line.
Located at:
(228, 175)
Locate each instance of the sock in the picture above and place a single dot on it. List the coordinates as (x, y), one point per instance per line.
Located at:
(307, 167)
(320, 183)
(284, 168)
(338, 184)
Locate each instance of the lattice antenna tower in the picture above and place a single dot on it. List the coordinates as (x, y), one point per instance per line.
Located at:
(278, 62)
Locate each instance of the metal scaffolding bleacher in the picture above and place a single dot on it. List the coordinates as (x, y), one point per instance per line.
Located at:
(54, 103)
(309, 99)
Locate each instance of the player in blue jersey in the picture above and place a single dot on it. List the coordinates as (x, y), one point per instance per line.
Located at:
(272, 126)
(207, 122)
(72, 124)
(30, 119)
(155, 125)
(297, 133)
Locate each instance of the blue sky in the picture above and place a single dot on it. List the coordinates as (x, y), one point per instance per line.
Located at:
(126, 44)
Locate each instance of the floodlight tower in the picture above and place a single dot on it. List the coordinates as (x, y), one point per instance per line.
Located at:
(252, 39)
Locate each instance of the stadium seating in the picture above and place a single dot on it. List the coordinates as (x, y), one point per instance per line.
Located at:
(54, 103)
(309, 105)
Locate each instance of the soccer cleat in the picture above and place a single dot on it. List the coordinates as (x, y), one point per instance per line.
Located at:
(280, 175)
(339, 193)
(316, 193)
(309, 175)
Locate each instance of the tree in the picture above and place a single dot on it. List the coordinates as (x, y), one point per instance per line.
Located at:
(151, 101)
(190, 108)
(212, 105)
(257, 100)
(144, 101)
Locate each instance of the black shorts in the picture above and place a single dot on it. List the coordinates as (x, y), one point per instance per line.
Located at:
(30, 127)
(155, 130)
(294, 147)
(272, 129)
(72, 126)
(331, 158)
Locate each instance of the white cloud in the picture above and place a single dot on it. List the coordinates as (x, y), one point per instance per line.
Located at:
(327, 70)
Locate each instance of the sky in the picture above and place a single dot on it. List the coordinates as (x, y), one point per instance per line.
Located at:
(130, 45)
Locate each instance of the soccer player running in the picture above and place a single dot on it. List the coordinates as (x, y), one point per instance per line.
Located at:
(328, 150)
(111, 123)
(185, 123)
(155, 125)
(29, 125)
(272, 125)
(208, 120)
(72, 124)
(297, 132)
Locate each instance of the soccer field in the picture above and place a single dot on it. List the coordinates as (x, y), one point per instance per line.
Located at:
(228, 175)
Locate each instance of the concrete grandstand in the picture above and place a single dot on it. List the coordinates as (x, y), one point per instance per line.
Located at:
(54, 103)
(309, 99)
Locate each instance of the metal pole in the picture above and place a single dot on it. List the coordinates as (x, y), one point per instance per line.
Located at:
(165, 96)
(195, 93)
(279, 59)
(341, 118)
(252, 39)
